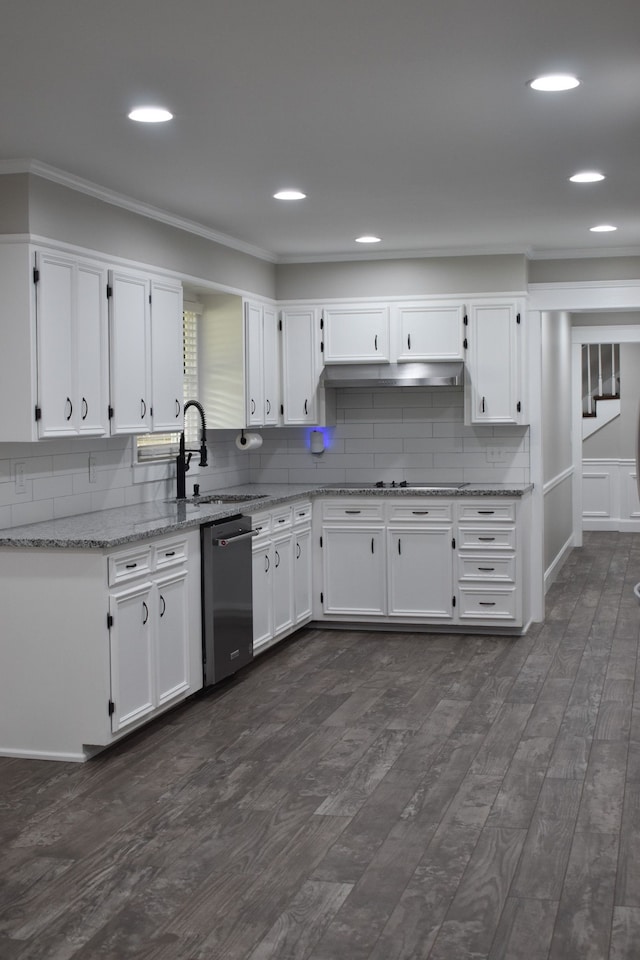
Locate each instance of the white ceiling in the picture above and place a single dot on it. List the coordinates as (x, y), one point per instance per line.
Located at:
(406, 118)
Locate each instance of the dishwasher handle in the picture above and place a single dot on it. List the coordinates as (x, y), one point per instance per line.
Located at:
(234, 538)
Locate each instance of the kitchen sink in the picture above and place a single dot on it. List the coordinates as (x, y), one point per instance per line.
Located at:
(214, 498)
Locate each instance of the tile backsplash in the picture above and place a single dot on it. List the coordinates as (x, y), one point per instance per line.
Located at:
(389, 434)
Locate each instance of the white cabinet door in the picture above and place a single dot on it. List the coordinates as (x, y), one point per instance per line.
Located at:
(262, 366)
(262, 577)
(302, 575)
(300, 366)
(254, 365)
(92, 350)
(56, 353)
(431, 331)
(355, 334)
(354, 570)
(167, 366)
(493, 382)
(130, 353)
(282, 583)
(271, 367)
(72, 346)
(172, 648)
(132, 659)
(421, 571)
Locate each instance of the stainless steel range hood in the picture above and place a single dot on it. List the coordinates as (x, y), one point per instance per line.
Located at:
(437, 373)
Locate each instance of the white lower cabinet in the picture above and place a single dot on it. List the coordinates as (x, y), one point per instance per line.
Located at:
(424, 561)
(114, 639)
(281, 573)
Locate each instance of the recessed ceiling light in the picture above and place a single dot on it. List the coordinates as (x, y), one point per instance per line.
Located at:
(289, 195)
(368, 238)
(150, 115)
(554, 82)
(603, 228)
(587, 176)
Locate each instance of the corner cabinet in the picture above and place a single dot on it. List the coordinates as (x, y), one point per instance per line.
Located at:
(494, 376)
(114, 640)
(303, 400)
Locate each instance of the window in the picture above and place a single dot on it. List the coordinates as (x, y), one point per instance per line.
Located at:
(164, 446)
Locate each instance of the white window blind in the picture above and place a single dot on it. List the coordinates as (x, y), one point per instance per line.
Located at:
(164, 446)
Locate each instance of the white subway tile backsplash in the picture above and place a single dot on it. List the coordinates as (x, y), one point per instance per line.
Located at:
(415, 434)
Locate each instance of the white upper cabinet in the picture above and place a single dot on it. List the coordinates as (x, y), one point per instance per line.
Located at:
(262, 368)
(54, 357)
(300, 366)
(356, 334)
(71, 321)
(494, 383)
(130, 332)
(146, 354)
(428, 331)
(167, 365)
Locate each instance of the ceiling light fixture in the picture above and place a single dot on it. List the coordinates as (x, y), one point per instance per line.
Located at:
(368, 238)
(554, 82)
(150, 115)
(587, 176)
(289, 195)
(603, 228)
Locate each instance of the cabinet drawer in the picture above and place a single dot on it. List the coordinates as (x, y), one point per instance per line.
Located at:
(129, 565)
(353, 510)
(487, 568)
(488, 604)
(302, 513)
(487, 511)
(169, 553)
(262, 523)
(416, 512)
(487, 538)
(281, 519)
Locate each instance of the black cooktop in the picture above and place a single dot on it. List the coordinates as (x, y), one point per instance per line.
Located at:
(400, 484)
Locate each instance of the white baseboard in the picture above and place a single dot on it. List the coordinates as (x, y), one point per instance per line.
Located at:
(551, 573)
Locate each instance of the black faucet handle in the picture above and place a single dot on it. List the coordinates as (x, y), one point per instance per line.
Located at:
(203, 455)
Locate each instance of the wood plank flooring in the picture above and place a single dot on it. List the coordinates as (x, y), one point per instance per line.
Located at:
(359, 796)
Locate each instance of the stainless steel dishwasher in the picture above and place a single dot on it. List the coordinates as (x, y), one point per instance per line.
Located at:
(227, 609)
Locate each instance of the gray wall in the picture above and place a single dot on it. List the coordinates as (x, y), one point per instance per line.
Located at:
(411, 277)
(556, 436)
(14, 203)
(578, 270)
(59, 213)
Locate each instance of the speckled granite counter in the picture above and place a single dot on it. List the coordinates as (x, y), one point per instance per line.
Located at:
(120, 525)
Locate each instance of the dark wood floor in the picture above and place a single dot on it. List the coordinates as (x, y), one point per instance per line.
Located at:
(359, 796)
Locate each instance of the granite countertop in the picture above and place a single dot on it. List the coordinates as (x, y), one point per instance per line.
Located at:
(122, 525)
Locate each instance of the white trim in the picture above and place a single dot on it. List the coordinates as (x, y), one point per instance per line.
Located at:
(551, 573)
(41, 755)
(583, 253)
(426, 253)
(557, 480)
(55, 175)
(625, 333)
(590, 296)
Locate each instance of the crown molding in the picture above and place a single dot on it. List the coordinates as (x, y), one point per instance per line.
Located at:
(38, 169)
(584, 253)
